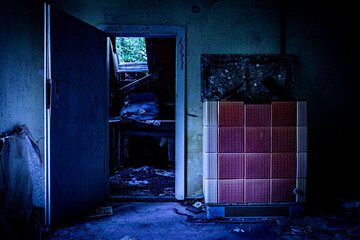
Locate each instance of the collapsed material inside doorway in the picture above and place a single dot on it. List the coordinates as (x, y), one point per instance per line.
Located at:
(142, 121)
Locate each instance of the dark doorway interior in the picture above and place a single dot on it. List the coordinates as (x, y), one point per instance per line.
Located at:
(142, 121)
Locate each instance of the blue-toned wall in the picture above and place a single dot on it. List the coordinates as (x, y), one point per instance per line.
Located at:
(320, 34)
(21, 67)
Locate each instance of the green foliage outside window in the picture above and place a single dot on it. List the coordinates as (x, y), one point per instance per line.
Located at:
(131, 49)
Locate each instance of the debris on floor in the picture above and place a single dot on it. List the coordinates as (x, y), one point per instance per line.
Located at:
(194, 209)
(166, 173)
(143, 181)
(338, 225)
(238, 230)
(99, 212)
(195, 206)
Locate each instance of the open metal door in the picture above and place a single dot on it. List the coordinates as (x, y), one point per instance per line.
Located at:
(77, 115)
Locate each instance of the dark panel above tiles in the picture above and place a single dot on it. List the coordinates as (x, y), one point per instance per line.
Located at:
(258, 78)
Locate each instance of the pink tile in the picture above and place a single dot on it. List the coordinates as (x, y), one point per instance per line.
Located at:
(230, 191)
(257, 114)
(281, 190)
(257, 166)
(230, 165)
(283, 113)
(257, 139)
(283, 165)
(257, 191)
(283, 139)
(231, 140)
(231, 113)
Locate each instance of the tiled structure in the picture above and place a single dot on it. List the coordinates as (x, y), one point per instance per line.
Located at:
(255, 153)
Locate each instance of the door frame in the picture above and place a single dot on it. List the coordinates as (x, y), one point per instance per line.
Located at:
(165, 31)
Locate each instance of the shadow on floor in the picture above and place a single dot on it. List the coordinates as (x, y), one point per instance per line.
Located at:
(176, 220)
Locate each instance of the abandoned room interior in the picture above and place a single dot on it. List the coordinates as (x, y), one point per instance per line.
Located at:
(231, 119)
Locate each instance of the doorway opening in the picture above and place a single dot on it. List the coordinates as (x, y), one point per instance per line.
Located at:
(142, 117)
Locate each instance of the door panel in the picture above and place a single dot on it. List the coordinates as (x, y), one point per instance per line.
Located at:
(78, 125)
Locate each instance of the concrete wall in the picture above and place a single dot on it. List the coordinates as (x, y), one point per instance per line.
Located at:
(21, 67)
(320, 35)
(323, 37)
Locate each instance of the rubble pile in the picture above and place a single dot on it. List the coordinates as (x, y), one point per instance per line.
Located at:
(143, 181)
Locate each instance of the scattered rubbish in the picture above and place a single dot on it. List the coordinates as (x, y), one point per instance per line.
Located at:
(197, 204)
(143, 181)
(152, 122)
(169, 191)
(238, 230)
(351, 205)
(99, 212)
(194, 209)
(162, 141)
(140, 107)
(132, 183)
(140, 168)
(166, 173)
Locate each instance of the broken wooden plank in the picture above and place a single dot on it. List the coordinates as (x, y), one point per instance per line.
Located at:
(133, 67)
(138, 83)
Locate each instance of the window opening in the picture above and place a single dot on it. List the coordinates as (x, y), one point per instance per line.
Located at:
(132, 57)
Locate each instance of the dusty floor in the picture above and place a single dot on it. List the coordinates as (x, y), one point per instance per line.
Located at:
(165, 220)
(172, 220)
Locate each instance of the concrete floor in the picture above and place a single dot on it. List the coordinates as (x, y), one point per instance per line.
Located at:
(159, 220)
(171, 220)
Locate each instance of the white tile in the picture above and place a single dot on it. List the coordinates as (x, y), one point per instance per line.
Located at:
(210, 113)
(210, 165)
(302, 138)
(302, 164)
(210, 135)
(210, 190)
(302, 113)
(301, 189)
